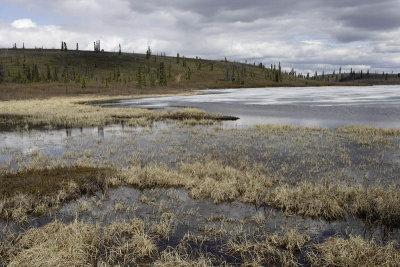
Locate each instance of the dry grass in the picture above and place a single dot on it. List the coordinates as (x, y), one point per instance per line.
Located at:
(173, 258)
(166, 226)
(71, 112)
(55, 244)
(79, 244)
(271, 249)
(353, 252)
(318, 200)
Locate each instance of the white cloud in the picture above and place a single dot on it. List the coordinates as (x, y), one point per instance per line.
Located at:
(23, 24)
(307, 36)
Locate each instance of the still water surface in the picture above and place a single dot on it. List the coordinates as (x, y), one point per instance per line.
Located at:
(305, 106)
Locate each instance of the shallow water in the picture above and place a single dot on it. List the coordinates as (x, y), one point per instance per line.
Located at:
(304, 106)
(199, 217)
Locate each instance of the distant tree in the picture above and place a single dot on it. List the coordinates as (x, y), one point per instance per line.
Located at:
(188, 74)
(2, 79)
(184, 61)
(163, 76)
(169, 71)
(83, 84)
(308, 76)
(23, 45)
(140, 77)
(177, 58)
(148, 53)
(212, 67)
(152, 79)
(398, 75)
(77, 46)
(226, 61)
(119, 51)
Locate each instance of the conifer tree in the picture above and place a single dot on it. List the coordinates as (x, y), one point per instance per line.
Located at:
(212, 67)
(140, 77)
(83, 84)
(184, 61)
(163, 76)
(2, 79)
(119, 51)
(77, 47)
(152, 79)
(188, 74)
(148, 53)
(177, 58)
(169, 71)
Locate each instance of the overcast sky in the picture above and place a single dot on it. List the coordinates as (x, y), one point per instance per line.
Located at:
(307, 35)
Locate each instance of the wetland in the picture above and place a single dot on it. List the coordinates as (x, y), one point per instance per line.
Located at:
(253, 177)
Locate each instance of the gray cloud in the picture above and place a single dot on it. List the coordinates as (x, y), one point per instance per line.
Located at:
(308, 35)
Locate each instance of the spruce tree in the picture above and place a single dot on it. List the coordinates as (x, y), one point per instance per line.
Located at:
(169, 71)
(188, 74)
(119, 51)
(163, 75)
(83, 84)
(152, 79)
(177, 58)
(148, 53)
(139, 77)
(2, 79)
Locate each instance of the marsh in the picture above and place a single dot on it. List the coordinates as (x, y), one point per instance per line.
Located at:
(248, 192)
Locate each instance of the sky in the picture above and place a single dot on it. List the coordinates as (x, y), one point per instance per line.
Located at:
(312, 35)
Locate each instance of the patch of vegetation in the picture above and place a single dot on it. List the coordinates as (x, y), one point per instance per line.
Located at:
(71, 112)
(36, 192)
(354, 251)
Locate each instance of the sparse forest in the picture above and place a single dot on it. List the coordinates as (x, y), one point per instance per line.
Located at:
(73, 72)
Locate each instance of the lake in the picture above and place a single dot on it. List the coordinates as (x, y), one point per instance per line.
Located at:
(303, 106)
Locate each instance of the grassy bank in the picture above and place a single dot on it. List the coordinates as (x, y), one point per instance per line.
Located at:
(74, 112)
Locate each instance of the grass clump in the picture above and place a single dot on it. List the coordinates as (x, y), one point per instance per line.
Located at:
(171, 258)
(56, 244)
(80, 244)
(127, 243)
(279, 249)
(315, 200)
(354, 251)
